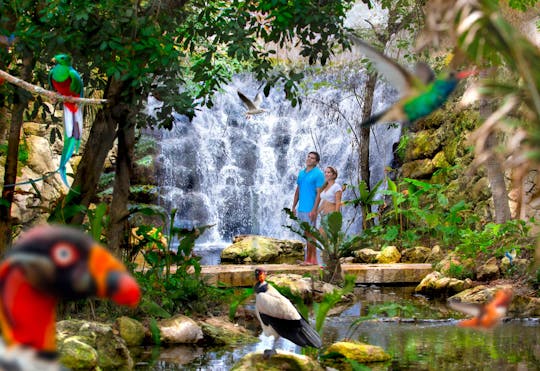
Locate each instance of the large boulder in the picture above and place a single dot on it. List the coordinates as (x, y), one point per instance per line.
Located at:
(76, 354)
(437, 283)
(365, 256)
(41, 194)
(488, 271)
(74, 337)
(305, 287)
(389, 255)
(252, 249)
(453, 265)
(360, 352)
(180, 330)
(220, 331)
(418, 254)
(282, 361)
(132, 331)
(478, 294)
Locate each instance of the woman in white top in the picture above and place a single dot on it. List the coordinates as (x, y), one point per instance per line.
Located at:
(331, 191)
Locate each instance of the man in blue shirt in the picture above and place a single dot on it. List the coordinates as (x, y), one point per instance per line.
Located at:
(308, 186)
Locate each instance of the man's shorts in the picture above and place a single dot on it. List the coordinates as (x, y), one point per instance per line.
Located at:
(303, 216)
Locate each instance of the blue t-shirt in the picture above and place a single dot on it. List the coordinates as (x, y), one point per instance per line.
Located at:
(308, 182)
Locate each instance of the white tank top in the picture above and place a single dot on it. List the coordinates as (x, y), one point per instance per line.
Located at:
(329, 195)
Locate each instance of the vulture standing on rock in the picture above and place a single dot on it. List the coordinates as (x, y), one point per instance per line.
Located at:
(279, 317)
(46, 264)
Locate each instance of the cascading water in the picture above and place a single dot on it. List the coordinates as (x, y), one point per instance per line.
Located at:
(238, 173)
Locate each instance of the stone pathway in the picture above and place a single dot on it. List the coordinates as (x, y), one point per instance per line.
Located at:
(243, 275)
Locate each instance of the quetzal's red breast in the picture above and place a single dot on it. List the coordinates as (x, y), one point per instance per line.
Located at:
(64, 89)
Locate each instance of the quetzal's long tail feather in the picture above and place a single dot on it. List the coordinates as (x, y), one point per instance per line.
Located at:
(70, 143)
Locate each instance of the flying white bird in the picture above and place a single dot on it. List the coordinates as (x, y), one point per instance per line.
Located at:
(253, 106)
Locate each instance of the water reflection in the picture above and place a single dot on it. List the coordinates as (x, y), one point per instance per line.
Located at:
(429, 340)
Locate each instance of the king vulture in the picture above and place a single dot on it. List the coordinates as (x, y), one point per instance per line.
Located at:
(279, 317)
(48, 263)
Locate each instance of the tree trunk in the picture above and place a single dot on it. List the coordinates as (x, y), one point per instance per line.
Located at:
(495, 172)
(99, 143)
(495, 175)
(119, 212)
(333, 270)
(20, 104)
(369, 91)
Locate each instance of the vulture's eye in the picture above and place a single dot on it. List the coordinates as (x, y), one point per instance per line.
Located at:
(64, 254)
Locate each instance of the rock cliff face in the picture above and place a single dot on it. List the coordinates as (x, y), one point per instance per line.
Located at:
(436, 149)
(32, 201)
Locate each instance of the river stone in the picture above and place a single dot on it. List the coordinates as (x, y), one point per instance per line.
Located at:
(532, 309)
(422, 144)
(452, 264)
(360, 352)
(418, 254)
(221, 331)
(76, 354)
(305, 287)
(365, 256)
(180, 355)
(436, 255)
(439, 161)
(132, 331)
(418, 169)
(259, 249)
(40, 161)
(389, 255)
(179, 330)
(488, 271)
(111, 348)
(282, 361)
(479, 294)
(436, 282)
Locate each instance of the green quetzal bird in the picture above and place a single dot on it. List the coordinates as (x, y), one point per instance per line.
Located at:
(67, 81)
(421, 92)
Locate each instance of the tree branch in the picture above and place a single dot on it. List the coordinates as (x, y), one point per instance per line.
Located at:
(53, 96)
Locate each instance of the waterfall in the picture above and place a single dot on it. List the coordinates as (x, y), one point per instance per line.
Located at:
(237, 173)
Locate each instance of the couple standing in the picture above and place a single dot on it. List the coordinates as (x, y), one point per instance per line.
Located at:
(316, 193)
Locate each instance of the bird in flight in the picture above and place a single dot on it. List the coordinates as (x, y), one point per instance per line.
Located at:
(253, 106)
(421, 92)
(485, 316)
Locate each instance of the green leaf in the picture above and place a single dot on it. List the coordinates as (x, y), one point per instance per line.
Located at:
(153, 309)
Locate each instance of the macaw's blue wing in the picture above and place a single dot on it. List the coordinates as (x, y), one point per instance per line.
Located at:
(70, 144)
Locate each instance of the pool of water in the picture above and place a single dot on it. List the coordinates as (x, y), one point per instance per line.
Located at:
(426, 339)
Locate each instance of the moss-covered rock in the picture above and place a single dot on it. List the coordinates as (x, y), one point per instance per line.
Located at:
(132, 331)
(259, 249)
(423, 144)
(76, 354)
(111, 349)
(417, 254)
(220, 331)
(282, 361)
(365, 256)
(336, 353)
(419, 169)
(435, 284)
(389, 255)
(488, 271)
(440, 161)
